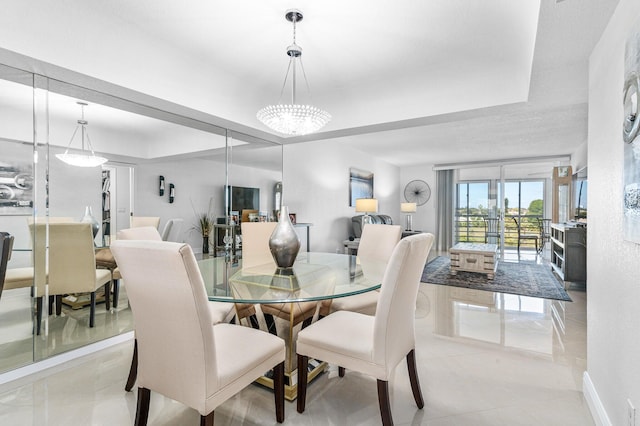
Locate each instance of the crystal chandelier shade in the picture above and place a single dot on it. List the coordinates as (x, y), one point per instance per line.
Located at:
(84, 159)
(294, 119)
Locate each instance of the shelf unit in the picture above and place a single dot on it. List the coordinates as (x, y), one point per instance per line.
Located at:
(569, 251)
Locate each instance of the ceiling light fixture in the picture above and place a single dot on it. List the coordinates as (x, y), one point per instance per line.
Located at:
(294, 119)
(83, 159)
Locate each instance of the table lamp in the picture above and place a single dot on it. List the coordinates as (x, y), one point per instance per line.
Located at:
(366, 206)
(408, 208)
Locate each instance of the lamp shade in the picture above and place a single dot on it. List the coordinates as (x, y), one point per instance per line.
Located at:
(366, 205)
(408, 207)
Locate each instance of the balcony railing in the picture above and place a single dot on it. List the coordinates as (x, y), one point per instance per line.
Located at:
(471, 229)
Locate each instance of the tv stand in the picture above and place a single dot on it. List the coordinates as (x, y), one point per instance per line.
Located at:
(569, 251)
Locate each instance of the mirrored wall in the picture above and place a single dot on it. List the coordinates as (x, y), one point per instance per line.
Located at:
(160, 164)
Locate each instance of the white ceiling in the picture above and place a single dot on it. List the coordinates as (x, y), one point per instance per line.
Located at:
(413, 82)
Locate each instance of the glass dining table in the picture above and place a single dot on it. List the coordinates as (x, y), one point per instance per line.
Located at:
(283, 298)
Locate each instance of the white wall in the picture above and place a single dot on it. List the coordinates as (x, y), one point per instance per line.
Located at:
(613, 320)
(316, 188)
(199, 186)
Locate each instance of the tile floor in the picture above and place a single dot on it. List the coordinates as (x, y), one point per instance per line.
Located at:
(483, 359)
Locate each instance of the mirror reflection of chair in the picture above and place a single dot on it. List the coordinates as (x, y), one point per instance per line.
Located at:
(528, 230)
(137, 221)
(373, 345)
(72, 264)
(376, 245)
(6, 245)
(491, 230)
(172, 229)
(191, 360)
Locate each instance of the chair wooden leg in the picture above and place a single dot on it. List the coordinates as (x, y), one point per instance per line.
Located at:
(142, 410)
(413, 378)
(92, 310)
(207, 420)
(39, 303)
(107, 296)
(385, 404)
(52, 304)
(59, 305)
(303, 365)
(278, 391)
(133, 370)
(341, 371)
(116, 293)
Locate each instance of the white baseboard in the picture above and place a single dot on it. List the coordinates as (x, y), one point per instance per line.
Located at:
(596, 408)
(66, 357)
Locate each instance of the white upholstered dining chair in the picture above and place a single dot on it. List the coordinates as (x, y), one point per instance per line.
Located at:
(376, 245)
(220, 311)
(373, 345)
(137, 221)
(184, 356)
(255, 252)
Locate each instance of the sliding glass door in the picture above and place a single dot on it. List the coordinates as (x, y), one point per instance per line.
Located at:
(472, 206)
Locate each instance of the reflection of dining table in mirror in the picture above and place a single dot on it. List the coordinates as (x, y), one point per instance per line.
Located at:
(313, 278)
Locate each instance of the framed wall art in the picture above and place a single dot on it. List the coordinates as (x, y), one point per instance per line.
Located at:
(360, 185)
(631, 136)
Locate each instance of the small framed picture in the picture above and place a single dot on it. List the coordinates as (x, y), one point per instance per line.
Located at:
(292, 217)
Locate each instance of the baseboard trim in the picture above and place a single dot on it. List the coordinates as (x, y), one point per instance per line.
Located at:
(66, 357)
(596, 408)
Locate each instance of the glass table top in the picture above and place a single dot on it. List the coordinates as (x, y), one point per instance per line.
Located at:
(314, 277)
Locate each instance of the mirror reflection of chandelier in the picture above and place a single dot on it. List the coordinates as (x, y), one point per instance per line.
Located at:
(86, 157)
(294, 119)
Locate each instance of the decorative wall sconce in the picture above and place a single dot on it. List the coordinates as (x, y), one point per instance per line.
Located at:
(161, 185)
(172, 192)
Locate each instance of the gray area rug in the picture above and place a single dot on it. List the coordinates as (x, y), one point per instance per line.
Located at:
(525, 279)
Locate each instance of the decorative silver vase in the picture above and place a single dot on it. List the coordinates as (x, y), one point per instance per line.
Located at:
(88, 218)
(284, 242)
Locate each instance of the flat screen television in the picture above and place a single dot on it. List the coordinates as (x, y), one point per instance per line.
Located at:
(580, 195)
(243, 198)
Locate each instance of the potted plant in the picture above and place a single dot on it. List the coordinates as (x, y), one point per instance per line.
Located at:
(204, 225)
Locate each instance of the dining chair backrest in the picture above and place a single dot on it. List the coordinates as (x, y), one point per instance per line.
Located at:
(394, 328)
(164, 277)
(255, 243)
(171, 231)
(140, 233)
(378, 241)
(39, 254)
(137, 221)
(72, 262)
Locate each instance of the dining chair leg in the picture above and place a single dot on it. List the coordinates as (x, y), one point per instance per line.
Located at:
(133, 370)
(207, 420)
(92, 309)
(107, 296)
(142, 410)
(278, 391)
(116, 293)
(58, 304)
(385, 404)
(341, 371)
(413, 378)
(39, 303)
(303, 365)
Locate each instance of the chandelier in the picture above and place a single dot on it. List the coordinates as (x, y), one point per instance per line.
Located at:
(83, 159)
(293, 118)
